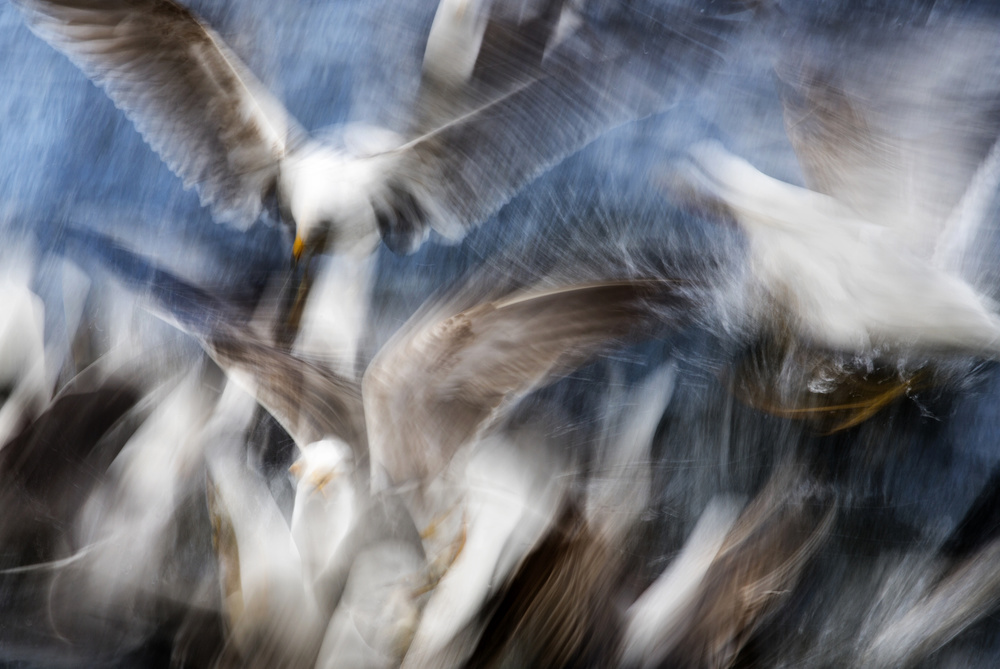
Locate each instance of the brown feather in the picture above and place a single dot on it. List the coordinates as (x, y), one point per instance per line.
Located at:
(192, 99)
(439, 381)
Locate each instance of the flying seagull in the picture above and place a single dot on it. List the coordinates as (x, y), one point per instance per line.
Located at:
(507, 91)
(959, 597)
(845, 282)
(553, 600)
(448, 374)
(895, 148)
(950, 593)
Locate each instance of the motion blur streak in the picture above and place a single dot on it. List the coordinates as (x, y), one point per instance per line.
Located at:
(499, 333)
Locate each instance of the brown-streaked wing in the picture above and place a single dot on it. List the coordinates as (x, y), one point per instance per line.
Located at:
(308, 400)
(542, 89)
(192, 99)
(443, 378)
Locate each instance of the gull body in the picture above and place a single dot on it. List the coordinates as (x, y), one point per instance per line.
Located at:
(326, 191)
(22, 350)
(893, 134)
(272, 612)
(325, 502)
(454, 371)
(845, 282)
(515, 487)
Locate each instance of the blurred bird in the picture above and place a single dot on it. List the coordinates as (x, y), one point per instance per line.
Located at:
(558, 604)
(742, 578)
(325, 502)
(504, 348)
(663, 608)
(272, 613)
(900, 128)
(959, 597)
(48, 472)
(858, 282)
(843, 282)
(508, 495)
(507, 91)
(51, 467)
(113, 519)
(953, 590)
(22, 349)
(310, 401)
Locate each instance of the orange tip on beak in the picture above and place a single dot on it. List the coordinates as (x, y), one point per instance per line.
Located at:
(297, 248)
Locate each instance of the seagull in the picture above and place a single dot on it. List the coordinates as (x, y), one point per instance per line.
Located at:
(846, 283)
(326, 502)
(441, 386)
(274, 618)
(510, 491)
(507, 90)
(50, 467)
(309, 400)
(949, 593)
(22, 350)
(899, 169)
(122, 525)
(960, 596)
(661, 609)
(48, 471)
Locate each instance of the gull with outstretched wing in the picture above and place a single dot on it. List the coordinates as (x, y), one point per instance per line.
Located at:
(508, 90)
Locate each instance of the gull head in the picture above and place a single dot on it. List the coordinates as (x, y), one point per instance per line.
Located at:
(323, 463)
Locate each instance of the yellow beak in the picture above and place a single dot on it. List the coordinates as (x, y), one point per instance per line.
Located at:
(297, 248)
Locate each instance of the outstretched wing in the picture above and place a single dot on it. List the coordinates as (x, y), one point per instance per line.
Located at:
(199, 107)
(441, 379)
(504, 99)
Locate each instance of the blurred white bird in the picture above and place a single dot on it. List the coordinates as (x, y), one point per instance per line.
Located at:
(956, 599)
(123, 529)
(893, 135)
(846, 283)
(270, 606)
(656, 616)
(483, 128)
(732, 573)
(453, 370)
(505, 497)
(512, 491)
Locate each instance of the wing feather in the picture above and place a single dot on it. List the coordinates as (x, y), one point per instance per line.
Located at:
(546, 83)
(192, 99)
(443, 379)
